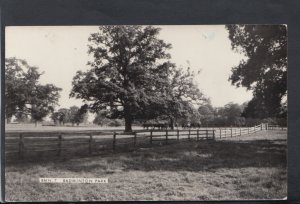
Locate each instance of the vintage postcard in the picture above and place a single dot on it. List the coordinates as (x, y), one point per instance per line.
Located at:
(145, 113)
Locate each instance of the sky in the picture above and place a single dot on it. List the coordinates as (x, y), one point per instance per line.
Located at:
(60, 51)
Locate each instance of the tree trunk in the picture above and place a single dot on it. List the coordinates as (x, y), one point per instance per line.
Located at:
(128, 118)
(8, 116)
(128, 124)
(172, 123)
(8, 120)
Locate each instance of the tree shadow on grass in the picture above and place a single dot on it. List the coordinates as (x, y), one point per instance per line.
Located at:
(184, 155)
(211, 155)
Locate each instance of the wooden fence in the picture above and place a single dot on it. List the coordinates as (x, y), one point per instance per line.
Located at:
(25, 143)
(90, 142)
(169, 135)
(276, 127)
(239, 131)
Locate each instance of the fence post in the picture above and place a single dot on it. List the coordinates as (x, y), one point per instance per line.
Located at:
(59, 144)
(197, 134)
(189, 136)
(90, 144)
(207, 134)
(231, 131)
(248, 130)
(213, 134)
(225, 133)
(177, 134)
(114, 141)
(220, 133)
(166, 136)
(21, 146)
(134, 139)
(261, 126)
(151, 137)
(240, 131)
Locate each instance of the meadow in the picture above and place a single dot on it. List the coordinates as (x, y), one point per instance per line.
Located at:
(67, 128)
(248, 167)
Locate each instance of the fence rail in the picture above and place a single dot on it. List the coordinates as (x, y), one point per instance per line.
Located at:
(276, 127)
(90, 142)
(235, 132)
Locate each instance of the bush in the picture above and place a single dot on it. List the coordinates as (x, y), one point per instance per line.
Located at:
(282, 122)
(116, 123)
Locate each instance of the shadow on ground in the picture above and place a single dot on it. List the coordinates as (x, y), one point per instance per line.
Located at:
(186, 155)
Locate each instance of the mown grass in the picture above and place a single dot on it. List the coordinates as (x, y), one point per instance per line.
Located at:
(249, 167)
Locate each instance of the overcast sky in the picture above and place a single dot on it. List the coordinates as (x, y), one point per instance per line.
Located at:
(60, 51)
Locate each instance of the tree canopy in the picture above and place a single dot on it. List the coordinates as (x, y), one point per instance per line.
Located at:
(233, 112)
(77, 115)
(130, 74)
(24, 95)
(74, 115)
(61, 116)
(183, 94)
(228, 115)
(206, 112)
(265, 69)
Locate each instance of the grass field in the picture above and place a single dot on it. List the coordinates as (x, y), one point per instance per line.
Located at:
(248, 167)
(69, 128)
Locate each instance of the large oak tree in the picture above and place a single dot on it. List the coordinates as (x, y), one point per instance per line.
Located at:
(128, 74)
(265, 69)
(24, 95)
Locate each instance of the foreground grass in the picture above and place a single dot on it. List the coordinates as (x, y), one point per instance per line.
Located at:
(251, 167)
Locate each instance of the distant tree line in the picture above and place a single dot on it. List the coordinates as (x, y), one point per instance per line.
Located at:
(233, 114)
(73, 115)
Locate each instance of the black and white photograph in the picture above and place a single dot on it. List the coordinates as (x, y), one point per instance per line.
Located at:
(146, 112)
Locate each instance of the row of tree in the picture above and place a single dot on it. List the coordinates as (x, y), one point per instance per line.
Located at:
(132, 78)
(229, 115)
(233, 114)
(132, 75)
